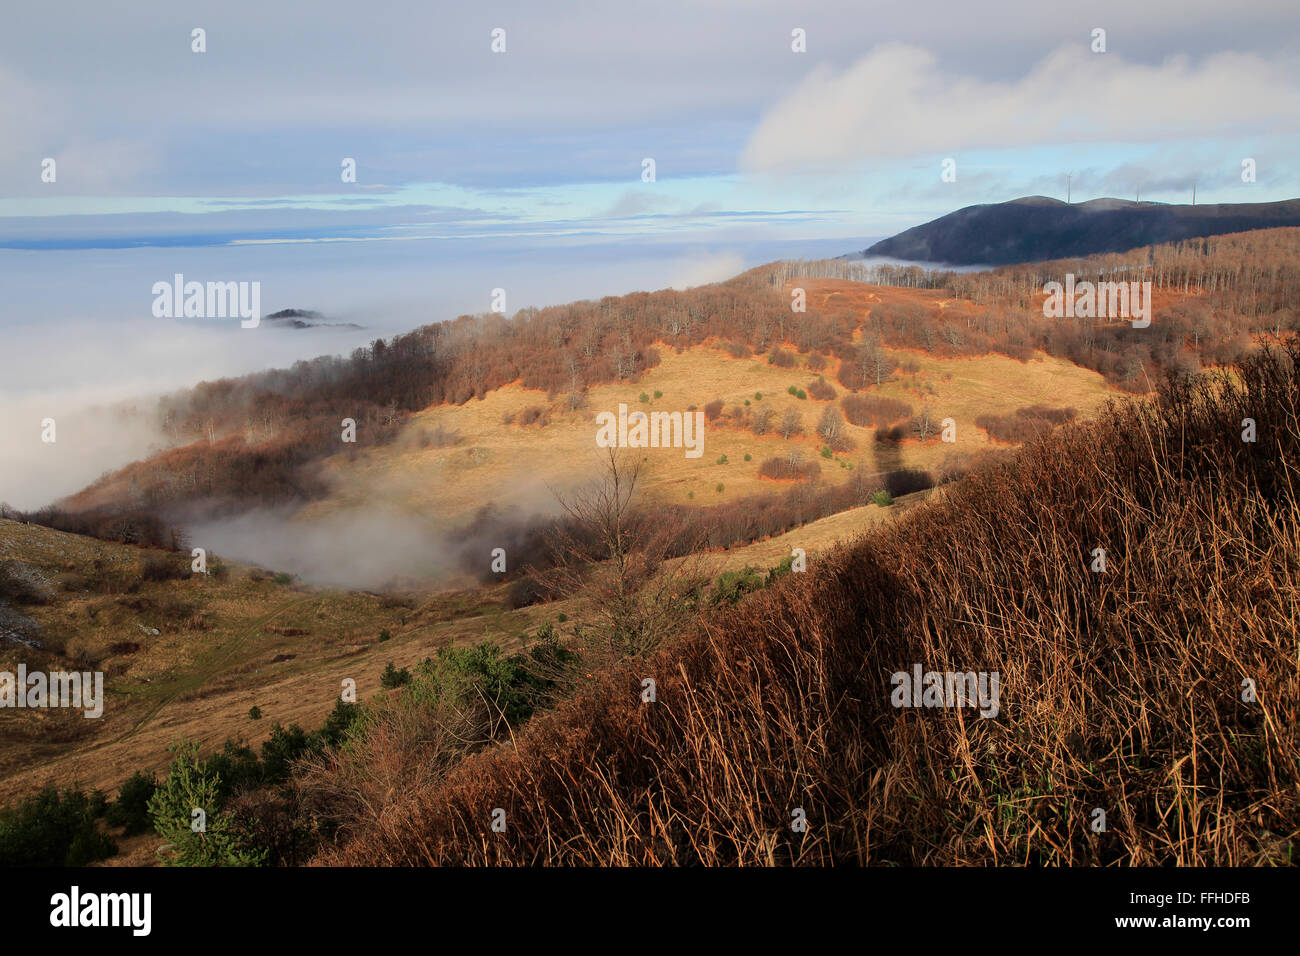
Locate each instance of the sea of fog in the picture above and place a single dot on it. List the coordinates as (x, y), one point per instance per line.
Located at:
(79, 343)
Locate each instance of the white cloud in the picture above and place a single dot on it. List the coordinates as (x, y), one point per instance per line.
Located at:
(900, 100)
(633, 202)
(711, 268)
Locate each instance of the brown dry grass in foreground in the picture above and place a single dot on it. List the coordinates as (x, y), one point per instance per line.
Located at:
(1121, 690)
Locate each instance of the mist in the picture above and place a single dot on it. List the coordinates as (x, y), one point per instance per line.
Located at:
(380, 548)
(81, 346)
(373, 549)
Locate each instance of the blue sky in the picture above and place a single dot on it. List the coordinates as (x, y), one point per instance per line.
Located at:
(522, 170)
(158, 145)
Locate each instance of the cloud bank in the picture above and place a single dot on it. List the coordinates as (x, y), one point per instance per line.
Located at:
(901, 100)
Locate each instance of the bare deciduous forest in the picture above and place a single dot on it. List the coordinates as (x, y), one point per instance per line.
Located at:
(246, 442)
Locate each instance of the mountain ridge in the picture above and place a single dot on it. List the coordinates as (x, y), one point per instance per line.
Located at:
(1040, 228)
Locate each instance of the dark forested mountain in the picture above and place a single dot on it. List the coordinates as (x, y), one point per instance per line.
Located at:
(1036, 228)
(304, 319)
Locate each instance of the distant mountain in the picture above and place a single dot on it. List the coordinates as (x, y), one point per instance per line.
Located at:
(306, 319)
(1037, 228)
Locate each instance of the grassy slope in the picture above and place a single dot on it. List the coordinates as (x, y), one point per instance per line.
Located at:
(201, 684)
(1120, 691)
(521, 464)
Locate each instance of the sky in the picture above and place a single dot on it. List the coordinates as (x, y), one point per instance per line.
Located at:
(776, 130)
(244, 142)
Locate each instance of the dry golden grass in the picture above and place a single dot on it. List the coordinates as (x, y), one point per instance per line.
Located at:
(525, 464)
(200, 684)
(1120, 690)
(220, 672)
(815, 538)
(516, 464)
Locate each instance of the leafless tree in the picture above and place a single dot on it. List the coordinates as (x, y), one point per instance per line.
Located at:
(831, 426)
(576, 397)
(615, 553)
(923, 424)
(791, 423)
(874, 364)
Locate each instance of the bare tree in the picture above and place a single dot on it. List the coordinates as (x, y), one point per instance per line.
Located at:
(923, 424)
(620, 557)
(831, 427)
(791, 423)
(873, 363)
(576, 398)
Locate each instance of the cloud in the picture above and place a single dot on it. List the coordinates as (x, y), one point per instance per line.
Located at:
(99, 381)
(354, 549)
(708, 268)
(900, 101)
(21, 126)
(377, 546)
(89, 439)
(633, 202)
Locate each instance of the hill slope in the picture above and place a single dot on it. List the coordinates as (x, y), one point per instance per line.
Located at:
(1120, 691)
(1036, 228)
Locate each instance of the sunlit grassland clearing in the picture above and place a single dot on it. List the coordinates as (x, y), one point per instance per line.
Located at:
(526, 464)
(285, 648)
(1163, 687)
(815, 537)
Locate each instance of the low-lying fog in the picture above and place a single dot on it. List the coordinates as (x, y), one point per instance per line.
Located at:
(81, 347)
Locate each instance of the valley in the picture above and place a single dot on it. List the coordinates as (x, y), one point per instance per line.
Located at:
(474, 527)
